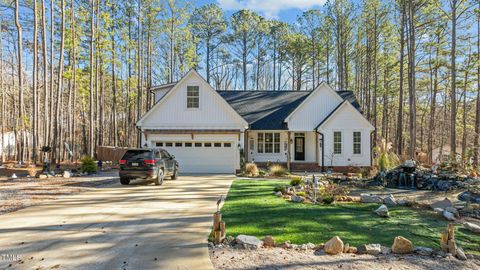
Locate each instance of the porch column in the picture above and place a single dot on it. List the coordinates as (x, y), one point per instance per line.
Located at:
(288, 151)
(316, 148)
(245, 145)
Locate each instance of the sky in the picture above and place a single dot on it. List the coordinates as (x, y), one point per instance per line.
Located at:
(284, 10)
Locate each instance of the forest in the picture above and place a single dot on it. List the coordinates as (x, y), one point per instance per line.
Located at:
(75, 75)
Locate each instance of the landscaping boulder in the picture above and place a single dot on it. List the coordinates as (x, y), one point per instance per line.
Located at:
(403, 202)
(461, 254)
(442, 204)
(402, 245)
(423, 251)
(307, 246)
(382, 211)
(472, 227)
(390, 200)
(278, 194)
(285, 245)
(296, 198)
(452, 210)
(42, 176)
(372, 249)
(352, 250)
(438, 210)
(248, 241)
(66, 174)
(334, 246)
(448, 215)
(268, 241)
(368, 198)
(346, 247)
(385, 250)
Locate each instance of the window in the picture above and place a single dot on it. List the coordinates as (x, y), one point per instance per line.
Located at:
(169, 144)
(198, 144)
(357, 142)
(260, 143)
(188, 144)
(337, 142)
(207, 144)
(268, 142)
(227, 144)
(165, 154)
(178, 144)
(159, 144)
(193, 97)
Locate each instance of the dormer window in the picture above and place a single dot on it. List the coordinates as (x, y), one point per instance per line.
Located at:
(193, 97)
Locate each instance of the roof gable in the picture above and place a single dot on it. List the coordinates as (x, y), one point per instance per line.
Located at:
(346, 108)
(171, 112)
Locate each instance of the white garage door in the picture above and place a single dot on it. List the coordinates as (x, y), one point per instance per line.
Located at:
(203, 157)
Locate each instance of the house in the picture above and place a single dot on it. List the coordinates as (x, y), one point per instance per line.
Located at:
(209, 130)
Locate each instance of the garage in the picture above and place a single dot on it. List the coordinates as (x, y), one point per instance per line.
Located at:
(202, 156)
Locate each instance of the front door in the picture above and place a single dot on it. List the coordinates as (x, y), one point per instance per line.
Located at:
(299, 148)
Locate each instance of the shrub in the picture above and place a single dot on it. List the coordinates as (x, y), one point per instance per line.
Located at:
(280, 188)
(328, 200)
(262, 173)
(386, 159)
(277, 170)
(301, 193)
(251, 169)
(88, 165)
(296, 181)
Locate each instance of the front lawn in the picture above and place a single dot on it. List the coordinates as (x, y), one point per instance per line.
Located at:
(251, 208)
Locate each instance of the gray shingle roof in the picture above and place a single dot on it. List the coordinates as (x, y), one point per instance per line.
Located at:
(267, 110)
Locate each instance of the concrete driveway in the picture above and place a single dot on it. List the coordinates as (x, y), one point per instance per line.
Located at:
(140, 226)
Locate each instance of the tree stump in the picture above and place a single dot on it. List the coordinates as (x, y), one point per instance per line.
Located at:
(218, 228)
(447, 240)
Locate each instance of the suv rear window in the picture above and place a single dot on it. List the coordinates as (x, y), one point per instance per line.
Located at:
(137, 154)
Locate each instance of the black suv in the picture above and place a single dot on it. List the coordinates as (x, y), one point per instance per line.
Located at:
(147, 163)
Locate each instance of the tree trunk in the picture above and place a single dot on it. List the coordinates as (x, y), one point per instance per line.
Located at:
(20, 76)
(92, 36)
(34, 85)
(453, 79)
(399, 136)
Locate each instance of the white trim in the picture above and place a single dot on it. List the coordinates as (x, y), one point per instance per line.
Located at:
(322, 84)
(340, 108)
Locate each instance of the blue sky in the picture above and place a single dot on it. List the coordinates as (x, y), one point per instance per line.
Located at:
(284, 10)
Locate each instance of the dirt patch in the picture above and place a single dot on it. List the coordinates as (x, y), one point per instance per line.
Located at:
(22, 192)
(278, 258)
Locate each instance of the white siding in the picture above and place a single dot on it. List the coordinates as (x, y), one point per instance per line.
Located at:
(172, 112)
(314, 109)
(347, 121)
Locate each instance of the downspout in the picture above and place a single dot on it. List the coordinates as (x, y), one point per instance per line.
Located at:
(371, 150)
(323, 150)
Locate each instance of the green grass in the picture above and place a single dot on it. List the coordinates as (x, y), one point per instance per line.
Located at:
(251, 208)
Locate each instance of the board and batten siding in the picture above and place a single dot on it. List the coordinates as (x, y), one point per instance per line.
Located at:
(347, 120)
(314, 109)
(171, 111)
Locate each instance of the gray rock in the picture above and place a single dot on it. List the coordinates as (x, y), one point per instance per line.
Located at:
(278, 194)
(390, 200)
(382, 211)
(452, 210)
(368, 198)
(438, 210)
(296, 198)
(442, 204)
(402, 202)
(461, 254)
(66, 174)
(448, 215)
(423, 251)
(248, 241)
(472, 227)
(385, 250)
(372, 249)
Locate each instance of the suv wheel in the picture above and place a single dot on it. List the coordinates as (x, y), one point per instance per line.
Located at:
(175, 174)
(159, 179)
(124, 181)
